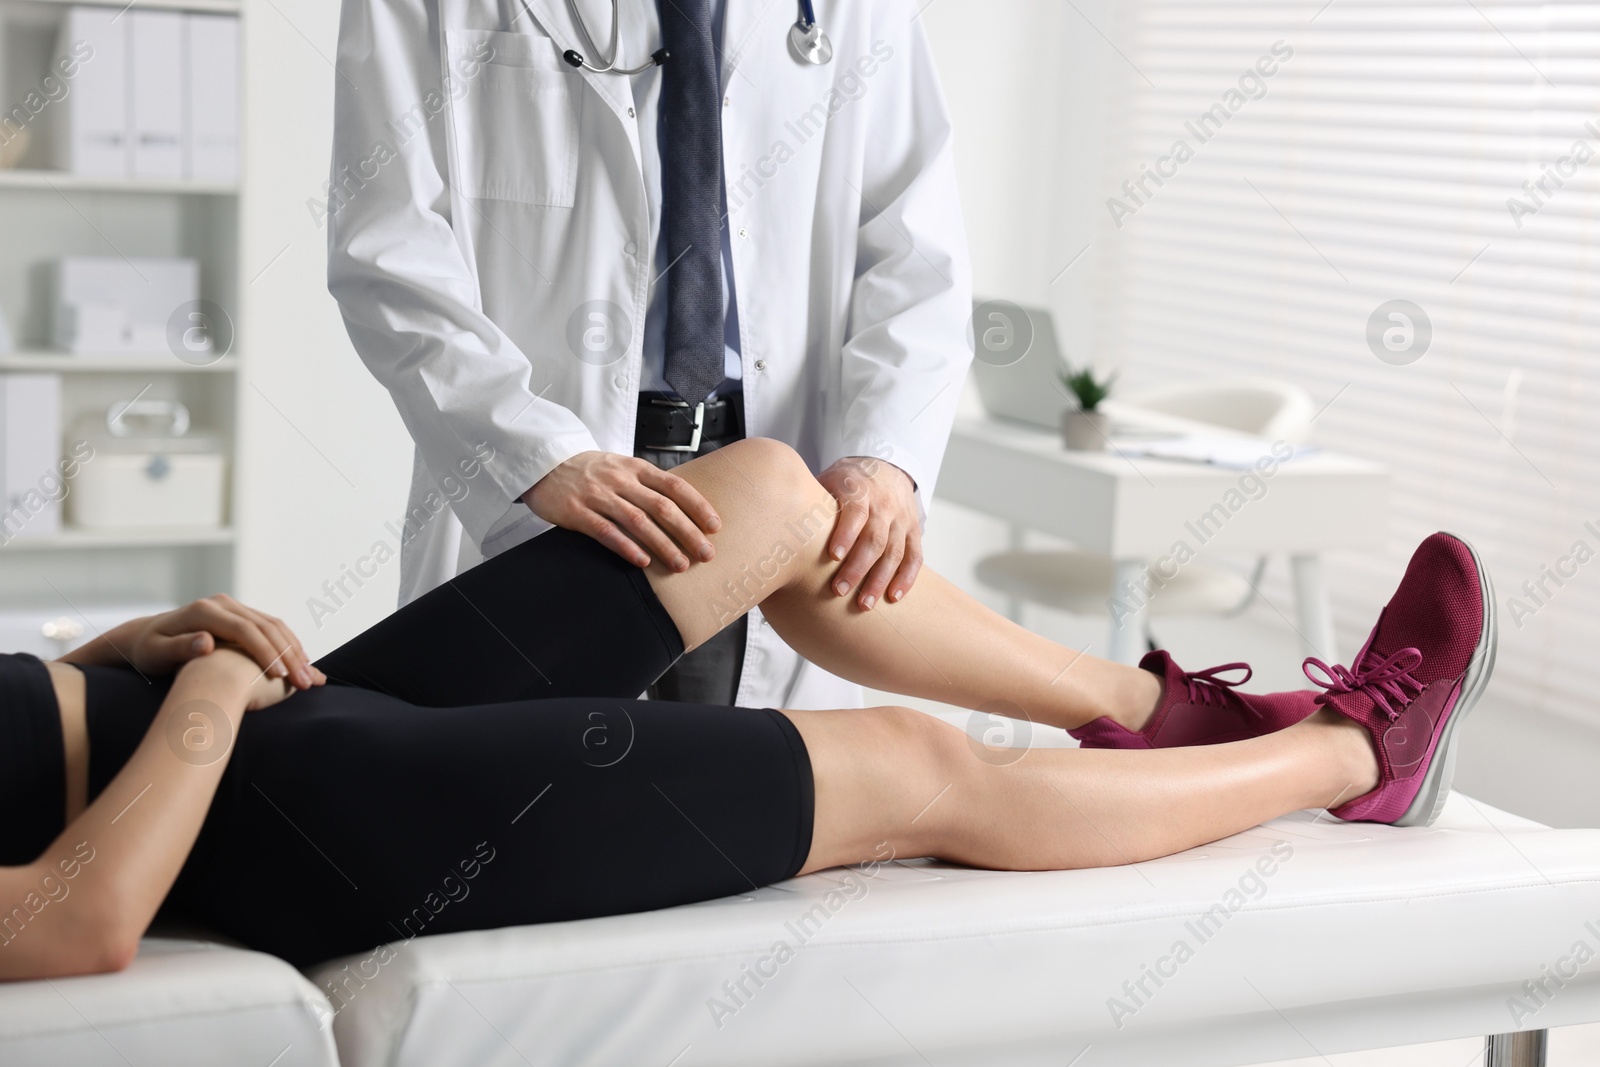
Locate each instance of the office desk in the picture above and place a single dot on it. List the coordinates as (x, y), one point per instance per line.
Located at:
(1137, 511)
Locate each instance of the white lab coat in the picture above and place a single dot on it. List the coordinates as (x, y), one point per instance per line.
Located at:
(484, 193)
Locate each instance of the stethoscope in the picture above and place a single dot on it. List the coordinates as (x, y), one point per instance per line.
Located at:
(807, 43)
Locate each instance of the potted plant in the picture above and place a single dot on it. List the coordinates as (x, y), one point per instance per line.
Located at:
(1085, 428)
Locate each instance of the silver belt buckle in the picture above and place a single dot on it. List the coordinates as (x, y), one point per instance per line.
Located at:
(699, 424)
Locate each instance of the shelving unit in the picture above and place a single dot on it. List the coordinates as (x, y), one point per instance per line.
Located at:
(62, 181)
(154, 363)
(177, 537)
(48, 213)
(211, 7)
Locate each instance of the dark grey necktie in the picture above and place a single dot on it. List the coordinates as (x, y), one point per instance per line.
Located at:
(691, 195)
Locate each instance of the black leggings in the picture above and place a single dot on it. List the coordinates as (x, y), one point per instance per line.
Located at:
(478, 760)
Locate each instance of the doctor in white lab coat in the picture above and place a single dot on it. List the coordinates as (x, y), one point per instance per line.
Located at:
(494, 216)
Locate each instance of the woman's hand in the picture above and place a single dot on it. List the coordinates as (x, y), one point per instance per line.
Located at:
(230, 670)
(160, 644)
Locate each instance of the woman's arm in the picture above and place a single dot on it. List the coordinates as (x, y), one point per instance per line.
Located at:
(103, 649)
(82, 906)
(160, 644)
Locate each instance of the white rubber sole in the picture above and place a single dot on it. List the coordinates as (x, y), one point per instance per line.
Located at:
(1429, 801)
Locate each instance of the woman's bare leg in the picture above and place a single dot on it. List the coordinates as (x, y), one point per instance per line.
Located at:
(895, 782)
(937, 643)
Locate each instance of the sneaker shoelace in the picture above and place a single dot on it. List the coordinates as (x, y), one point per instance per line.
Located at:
(1387, 681)
(1207, 687)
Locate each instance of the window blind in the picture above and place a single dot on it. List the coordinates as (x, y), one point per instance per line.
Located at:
(1443, 154)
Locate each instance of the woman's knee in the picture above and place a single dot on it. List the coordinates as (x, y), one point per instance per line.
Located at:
(923, 757)
(767, 466)
(879, 775)
(764, 452)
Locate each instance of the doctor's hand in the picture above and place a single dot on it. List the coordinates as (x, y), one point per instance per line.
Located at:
(879, 531)
(632, 507)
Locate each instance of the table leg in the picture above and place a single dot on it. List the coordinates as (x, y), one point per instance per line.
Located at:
(1314, 613)
(1127, 604)
(1524, 1049)
(1017, 541)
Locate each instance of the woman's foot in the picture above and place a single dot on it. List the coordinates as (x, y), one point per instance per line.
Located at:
(1195, 708)
(1419, 674)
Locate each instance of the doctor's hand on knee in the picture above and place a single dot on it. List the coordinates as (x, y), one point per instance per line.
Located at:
(632, 507)
(878, 535)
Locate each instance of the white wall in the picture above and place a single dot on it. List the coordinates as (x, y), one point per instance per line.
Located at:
(324, 460)
(1027, 81)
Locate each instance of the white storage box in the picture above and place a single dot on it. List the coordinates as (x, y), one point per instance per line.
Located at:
(142, 477)
(110, 304)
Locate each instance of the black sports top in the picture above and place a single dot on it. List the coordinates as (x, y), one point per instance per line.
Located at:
(33, 759)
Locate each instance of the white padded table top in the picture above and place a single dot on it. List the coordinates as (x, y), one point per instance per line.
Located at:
(1323, 937)
(183, 1003)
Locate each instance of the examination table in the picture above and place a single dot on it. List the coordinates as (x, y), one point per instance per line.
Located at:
(1300, 938)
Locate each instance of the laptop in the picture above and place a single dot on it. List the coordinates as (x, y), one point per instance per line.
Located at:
(1017, 363)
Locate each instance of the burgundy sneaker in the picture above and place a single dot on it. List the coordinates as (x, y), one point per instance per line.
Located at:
(1200, 708)
(1416, 678)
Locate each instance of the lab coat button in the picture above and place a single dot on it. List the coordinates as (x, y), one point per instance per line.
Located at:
(630, 248)
(761, 364)
(620, 381)
(743, 232)
(630, 112)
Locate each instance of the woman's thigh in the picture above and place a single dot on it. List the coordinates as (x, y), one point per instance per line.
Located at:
(559, 615)
(350, 819)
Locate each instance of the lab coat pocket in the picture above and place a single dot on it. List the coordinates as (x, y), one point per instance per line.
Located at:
(514, 115)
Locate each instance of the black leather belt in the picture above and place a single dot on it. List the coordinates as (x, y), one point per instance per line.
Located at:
(667, 424)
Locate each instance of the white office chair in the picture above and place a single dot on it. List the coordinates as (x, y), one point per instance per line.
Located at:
(1261, 407)
(1080, 583)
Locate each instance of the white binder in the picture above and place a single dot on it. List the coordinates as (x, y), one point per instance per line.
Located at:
(31, 486)
(156, 42)
(90, 126)
(212, 90)
(116, 304)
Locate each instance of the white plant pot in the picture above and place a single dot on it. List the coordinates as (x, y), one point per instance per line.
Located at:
(1085, 431)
